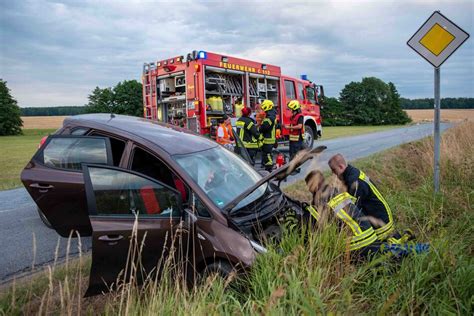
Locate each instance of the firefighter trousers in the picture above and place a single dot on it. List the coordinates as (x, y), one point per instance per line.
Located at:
(267, 157)
(295, 147)
(252, 153)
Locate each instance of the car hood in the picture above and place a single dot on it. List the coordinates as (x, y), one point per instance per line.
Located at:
(279, 174)
(274, 201)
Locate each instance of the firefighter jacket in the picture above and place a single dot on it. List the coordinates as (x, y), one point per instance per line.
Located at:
(369, 200)
(344, 208)
(268, 128)
(247, 131)
(297, 135)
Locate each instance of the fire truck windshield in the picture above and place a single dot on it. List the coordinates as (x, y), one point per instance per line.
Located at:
(222, 175)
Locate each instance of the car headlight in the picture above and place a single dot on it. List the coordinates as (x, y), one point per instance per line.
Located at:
(258, 248)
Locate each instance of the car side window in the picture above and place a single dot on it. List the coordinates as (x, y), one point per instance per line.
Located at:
(121, 193)
(311, 94)
(199, 207)
(301, 90)
(290, 89)
(79, 131)
(71, 152)
(147, 164)
(117, 146)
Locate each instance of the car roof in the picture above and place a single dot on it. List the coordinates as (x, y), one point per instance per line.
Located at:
(170, 138)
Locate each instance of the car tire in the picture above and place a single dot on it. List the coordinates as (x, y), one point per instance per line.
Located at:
(308, 136)
(222, 268)
(43, 218)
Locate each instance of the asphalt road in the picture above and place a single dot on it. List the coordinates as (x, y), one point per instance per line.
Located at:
(27, 243)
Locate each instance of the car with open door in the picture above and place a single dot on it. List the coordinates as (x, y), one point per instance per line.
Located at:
(129, 182)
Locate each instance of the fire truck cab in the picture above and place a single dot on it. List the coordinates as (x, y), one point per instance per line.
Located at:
(196, 91)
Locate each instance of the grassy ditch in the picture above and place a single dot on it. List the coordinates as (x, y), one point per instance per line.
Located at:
(316, 276)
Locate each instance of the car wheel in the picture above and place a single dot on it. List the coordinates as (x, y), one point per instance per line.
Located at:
(308, 136)
(222, 268)
(44, 219)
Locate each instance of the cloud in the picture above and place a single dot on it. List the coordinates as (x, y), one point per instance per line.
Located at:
(55, 53)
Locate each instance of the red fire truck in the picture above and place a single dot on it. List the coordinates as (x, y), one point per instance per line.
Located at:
(196, 91)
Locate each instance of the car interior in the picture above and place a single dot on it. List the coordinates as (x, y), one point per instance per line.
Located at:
(147, 197)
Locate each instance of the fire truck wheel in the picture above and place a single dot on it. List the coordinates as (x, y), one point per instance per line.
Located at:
(308, 136)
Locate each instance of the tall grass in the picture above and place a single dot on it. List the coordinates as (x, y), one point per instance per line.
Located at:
(310, 272)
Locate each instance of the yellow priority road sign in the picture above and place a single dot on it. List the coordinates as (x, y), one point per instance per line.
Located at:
(437, 39)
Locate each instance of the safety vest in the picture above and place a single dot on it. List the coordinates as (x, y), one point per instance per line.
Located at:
(269, 136)
(244, 129)
(296, 134)
(386, 230)
(226, 138)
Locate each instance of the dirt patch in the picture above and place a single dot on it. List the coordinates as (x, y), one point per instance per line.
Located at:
(42, 121)
(447, 115)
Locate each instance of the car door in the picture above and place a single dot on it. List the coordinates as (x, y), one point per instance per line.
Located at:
(135, 222)
(55, 181)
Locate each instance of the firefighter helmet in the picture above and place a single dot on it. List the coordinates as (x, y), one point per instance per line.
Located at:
(294, 105)
(267, 105)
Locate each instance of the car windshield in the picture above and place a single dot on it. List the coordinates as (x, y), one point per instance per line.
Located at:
(222, 175)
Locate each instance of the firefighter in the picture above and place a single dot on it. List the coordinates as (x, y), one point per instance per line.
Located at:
(369, 198)
(224, 133)
(296, 128)
(248, 133)
(363, 239)
(267, 131)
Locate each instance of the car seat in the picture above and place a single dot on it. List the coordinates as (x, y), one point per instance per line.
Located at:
(150, 202)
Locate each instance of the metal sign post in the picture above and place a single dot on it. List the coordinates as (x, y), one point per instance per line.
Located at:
(437, 110)
(436, 40)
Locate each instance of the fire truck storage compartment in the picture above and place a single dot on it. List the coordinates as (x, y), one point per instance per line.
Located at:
(263, 87)
(223, 87)
(172, 98)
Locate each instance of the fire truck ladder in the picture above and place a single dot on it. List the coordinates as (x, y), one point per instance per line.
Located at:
(149, 91)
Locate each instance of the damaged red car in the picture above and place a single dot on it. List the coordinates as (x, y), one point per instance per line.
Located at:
(101, 173)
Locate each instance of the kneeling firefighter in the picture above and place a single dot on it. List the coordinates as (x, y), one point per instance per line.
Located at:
(248, 133)
(296, 128)
(364, 240)
(267, 130)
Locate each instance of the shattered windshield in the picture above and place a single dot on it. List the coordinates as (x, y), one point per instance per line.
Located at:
(222, 175)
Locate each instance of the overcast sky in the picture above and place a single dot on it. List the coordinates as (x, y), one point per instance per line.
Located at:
(55, 53)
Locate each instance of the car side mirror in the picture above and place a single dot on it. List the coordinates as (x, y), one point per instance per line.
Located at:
(189, 217)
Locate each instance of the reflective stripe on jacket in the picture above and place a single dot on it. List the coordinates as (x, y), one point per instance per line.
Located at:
(296, 134)
(363, 233)
(247, 132)
(386, 230)
(267, 129)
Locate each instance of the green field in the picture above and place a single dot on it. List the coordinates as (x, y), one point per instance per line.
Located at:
(310, 273)
(16, 151)
(343, 131)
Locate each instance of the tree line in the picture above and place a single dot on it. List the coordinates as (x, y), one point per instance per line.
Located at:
(53, 110)
(446, 103)
(368, 102)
